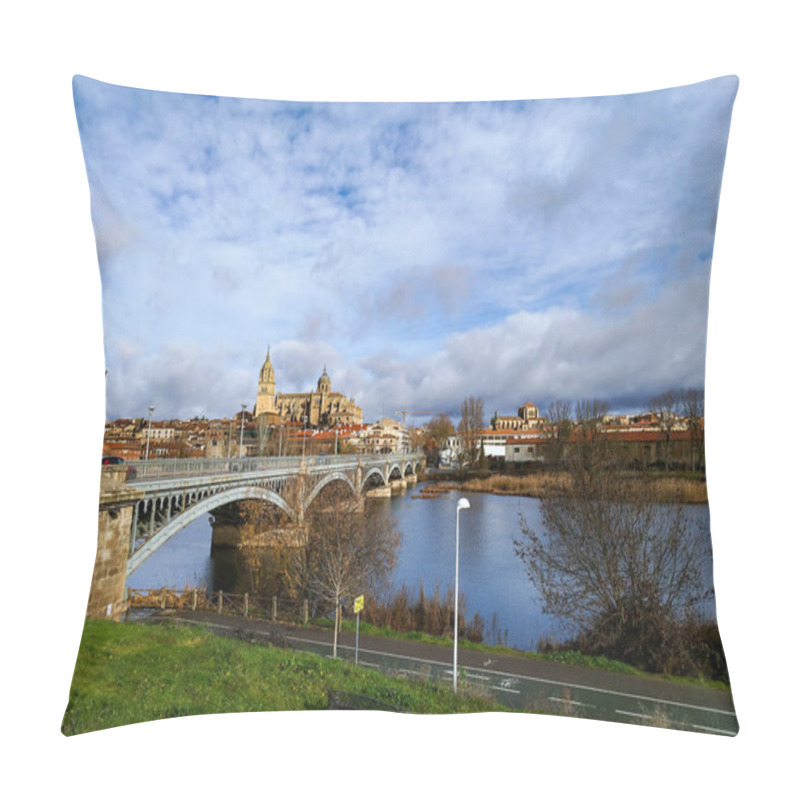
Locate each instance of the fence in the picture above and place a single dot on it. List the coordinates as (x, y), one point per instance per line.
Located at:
(244, 605)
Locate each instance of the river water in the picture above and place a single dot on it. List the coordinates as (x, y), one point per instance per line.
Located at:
(491, 576)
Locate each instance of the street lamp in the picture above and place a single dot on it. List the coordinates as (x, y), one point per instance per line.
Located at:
(241, 434)
(462, 503)
(151, 409)
(305, 421)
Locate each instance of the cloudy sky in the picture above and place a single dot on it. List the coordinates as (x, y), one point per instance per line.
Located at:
(516, 251)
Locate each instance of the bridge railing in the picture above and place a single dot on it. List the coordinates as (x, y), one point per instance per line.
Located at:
(166, 468)
(161, 468)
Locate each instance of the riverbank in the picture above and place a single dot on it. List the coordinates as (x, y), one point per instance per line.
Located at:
(668, 488)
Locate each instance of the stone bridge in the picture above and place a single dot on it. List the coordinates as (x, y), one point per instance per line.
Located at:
(144, 503)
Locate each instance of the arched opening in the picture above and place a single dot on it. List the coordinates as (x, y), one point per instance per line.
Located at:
(202, 507)
(373, 479)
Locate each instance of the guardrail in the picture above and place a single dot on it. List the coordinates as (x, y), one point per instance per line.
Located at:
(160, 469)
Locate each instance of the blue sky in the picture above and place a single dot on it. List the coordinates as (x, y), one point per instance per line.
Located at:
(517, 251)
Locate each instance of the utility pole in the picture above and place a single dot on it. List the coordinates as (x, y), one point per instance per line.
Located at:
(149, 424)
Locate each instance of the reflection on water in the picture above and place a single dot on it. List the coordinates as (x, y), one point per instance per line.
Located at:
(490, 574)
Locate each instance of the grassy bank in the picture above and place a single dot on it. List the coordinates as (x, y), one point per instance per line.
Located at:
(669, 488)
(127, 673)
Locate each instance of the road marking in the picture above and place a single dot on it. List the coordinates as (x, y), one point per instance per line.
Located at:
(505, 689)
(510, 675)
(402, 671)
(570, 702)
(714, 730)
(633, 714)
(551, 682)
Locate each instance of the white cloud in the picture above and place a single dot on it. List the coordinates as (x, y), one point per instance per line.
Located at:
(530, 249)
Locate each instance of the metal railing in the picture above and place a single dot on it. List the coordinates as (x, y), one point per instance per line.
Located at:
(166, 468)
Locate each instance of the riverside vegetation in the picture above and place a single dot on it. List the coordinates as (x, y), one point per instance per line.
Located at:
(135, 673)
(669, 488)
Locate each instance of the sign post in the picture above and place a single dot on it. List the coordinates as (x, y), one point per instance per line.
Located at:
(358, 605)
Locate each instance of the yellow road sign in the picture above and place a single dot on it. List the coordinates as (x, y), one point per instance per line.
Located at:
(358, 605)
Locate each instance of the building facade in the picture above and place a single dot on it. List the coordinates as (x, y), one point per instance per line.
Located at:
(320, 408)
(527, 419)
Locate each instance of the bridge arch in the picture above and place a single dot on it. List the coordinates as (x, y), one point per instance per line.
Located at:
(204, 506)
(330, 478)
(374, 471)
(397, 468)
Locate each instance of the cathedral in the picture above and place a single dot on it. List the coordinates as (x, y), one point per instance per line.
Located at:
(318, 409)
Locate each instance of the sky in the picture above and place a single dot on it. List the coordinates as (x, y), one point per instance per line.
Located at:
(517, 251)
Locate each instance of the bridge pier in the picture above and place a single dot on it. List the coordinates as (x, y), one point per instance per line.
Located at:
(114, 524)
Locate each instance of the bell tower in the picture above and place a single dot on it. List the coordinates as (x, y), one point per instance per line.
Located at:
(265, 403)
(324, 382)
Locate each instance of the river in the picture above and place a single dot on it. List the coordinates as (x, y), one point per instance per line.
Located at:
(491, 576)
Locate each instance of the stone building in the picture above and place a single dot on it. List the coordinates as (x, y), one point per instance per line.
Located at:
(320, 408)
(527, 419)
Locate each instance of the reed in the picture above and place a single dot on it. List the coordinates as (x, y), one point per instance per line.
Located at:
(668, 488)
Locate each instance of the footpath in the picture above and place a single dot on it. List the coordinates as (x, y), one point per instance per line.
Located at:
(502, 672)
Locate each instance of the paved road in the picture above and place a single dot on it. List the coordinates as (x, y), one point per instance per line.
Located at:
(517, 682)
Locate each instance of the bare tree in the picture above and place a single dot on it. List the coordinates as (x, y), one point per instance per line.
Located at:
(559, 416)
(344, 552)
(693, 405)
(470, 428)
(439, 429)
(590, 450)
(620, 568)
(263, 533)
(665, 406)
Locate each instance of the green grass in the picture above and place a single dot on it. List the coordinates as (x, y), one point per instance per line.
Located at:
(127, 673)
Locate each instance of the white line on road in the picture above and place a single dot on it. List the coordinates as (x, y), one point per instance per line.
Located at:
(522, 677)
(633, 714)
(713, 730)
(570, 702)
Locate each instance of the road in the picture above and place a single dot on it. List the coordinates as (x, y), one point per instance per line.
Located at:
(515, 681)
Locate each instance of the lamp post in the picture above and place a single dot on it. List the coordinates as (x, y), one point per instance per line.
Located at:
(462, 503)
(305, 420)
(149, 425)
(241, 433)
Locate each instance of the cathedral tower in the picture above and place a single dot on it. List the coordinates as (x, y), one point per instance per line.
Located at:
(265, 403)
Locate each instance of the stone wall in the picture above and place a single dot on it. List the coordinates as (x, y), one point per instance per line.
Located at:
(107, 592)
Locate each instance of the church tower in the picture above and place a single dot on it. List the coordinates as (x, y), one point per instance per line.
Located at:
(265, 403)
(324, 382)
